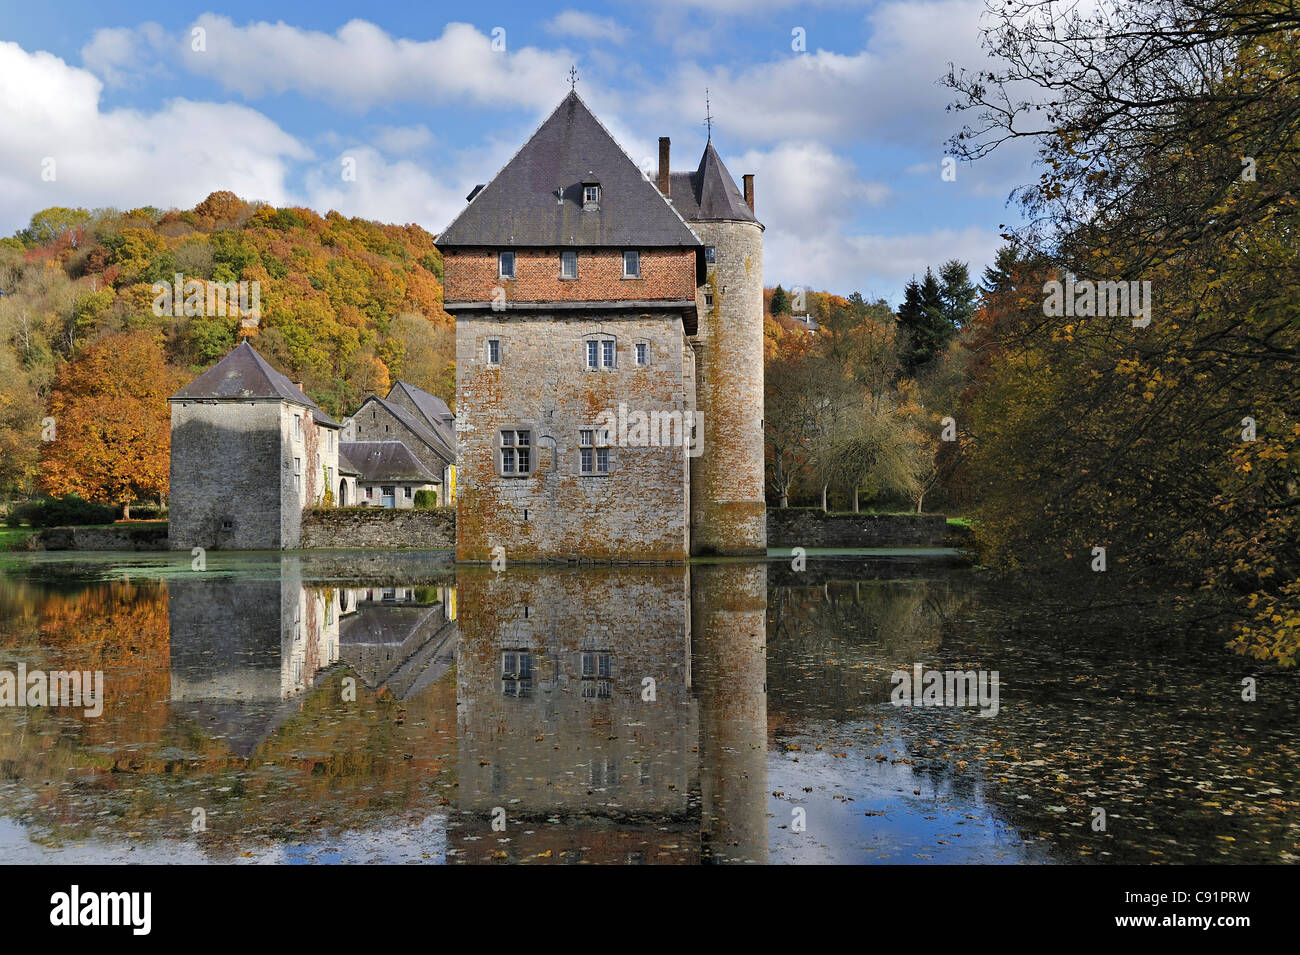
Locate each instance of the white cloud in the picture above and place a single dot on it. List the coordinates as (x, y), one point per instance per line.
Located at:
(399, 192)
(802, 188)
(586, 26)
(403, 139)
(361, 66)
(173, 156)
(876, 265)
(123, 56)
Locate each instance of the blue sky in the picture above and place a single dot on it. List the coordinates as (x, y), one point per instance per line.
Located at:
(161, 103)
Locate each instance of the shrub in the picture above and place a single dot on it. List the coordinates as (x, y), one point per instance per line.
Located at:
(426, 500)
(60, 511)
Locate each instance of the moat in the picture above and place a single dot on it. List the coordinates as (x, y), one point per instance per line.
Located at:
(366, 707)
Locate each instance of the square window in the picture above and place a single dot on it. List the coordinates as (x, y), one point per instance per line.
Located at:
(568, 265)
(593, 354)
(607, 352)
(642, 353)
(631, 265)
(708, 300)
(494, 351)
(506, 265)
(591, 193)
(516, 452)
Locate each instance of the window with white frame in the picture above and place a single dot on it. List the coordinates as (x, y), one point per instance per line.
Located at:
(597, 675)
(494, 351)
(601, 353)
(297, 474)
(593, 450)
(516, 672)
(593, 353)
(708, 254)
(297, 426)
(631, 265)
(568, 265)
(506, 265)
(642, 354)
(516, 452)
(607, 353)
(590, 194)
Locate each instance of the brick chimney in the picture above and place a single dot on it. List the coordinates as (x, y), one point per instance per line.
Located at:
(665, 184)
(749, 190)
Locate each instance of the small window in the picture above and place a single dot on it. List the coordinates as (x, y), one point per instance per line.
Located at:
(370, 492)
(631, 265)
(642, 353)
(607, 352)
(516, 673)
(297, 474)
(708, 254)
(593, 454)
(590, 194)
(516, 452)
(506, 263)
(708, 300)
(568, 265)
(406, 492)
(297, 426)
(494, 351)
(593, 353)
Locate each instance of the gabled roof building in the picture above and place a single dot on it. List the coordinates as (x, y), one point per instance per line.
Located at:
(608, 354)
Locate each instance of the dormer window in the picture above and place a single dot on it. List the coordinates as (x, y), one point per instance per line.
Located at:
(590, 194)
(506, 265)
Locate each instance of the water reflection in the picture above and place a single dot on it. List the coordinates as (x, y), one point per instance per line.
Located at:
(728, 712)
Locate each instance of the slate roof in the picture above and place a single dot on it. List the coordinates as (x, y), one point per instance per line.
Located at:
(432, 408)
(536, 198)
(417, 426)
(709, 193)
(386, 461)
(345, 463)
(244, 375)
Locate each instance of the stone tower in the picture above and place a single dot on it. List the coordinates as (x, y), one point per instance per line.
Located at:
(728, 514)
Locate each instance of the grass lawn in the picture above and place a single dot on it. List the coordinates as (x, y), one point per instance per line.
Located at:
(11, 537)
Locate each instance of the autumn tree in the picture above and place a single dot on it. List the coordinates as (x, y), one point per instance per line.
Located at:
(1170, 147)
(112, 422)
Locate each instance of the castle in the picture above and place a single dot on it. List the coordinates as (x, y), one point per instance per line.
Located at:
(609, 355)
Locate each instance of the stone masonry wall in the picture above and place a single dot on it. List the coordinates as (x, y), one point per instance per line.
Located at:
(225, 464)
(638, 512)
(727, 502)
(810, 527)
(347, 528)
(472, 276)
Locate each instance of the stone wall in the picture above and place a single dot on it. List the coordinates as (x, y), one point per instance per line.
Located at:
(473, 276)
(347, 528)
(810, 527)
(636, 512)
(152, 536)
(727, 478)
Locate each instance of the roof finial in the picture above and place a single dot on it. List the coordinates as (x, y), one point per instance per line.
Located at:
(708, 114)
(573, 76)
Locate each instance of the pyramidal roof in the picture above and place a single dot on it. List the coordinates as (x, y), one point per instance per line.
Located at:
(709, 193)
(244, 375)
(537, 197)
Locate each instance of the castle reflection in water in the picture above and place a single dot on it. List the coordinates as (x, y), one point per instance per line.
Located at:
(614, 715)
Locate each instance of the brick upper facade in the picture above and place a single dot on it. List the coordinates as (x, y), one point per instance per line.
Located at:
(474, 276)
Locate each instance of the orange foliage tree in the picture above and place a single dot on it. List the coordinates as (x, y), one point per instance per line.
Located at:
(112, 422)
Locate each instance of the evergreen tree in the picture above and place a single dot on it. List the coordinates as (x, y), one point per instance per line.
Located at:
(780, 302)
(997, 277)
(957, 292)
(926, 328)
